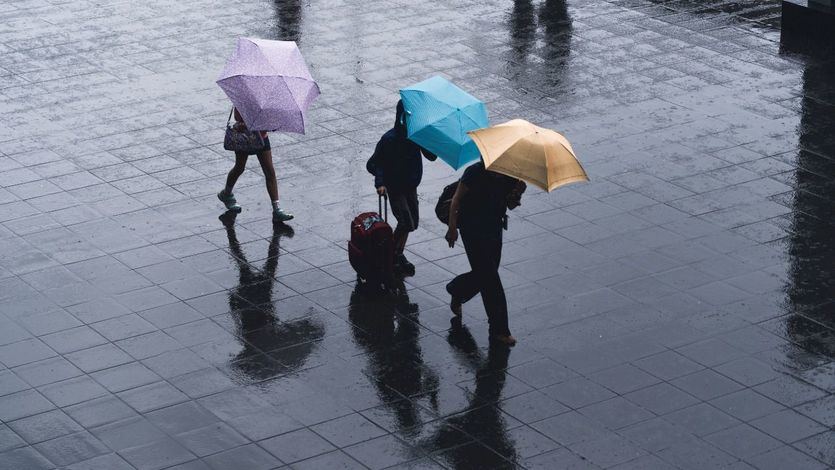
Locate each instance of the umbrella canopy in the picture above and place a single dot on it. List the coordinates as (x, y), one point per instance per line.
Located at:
(269, 84)
(439, 114)
(539, 156)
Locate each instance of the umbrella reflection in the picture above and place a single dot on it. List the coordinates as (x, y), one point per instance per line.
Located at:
(270, 347)
(387, 328)
(482, 418)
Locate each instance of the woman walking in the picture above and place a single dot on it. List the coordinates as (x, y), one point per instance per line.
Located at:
(265, 158)
(479, 207)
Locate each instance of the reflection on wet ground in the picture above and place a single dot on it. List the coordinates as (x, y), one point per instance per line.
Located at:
(676, 312)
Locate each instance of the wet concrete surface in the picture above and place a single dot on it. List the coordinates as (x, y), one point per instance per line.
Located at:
(676, 312)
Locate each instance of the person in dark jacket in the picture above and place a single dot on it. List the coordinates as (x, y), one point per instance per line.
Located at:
(479, 208)
(397, 168)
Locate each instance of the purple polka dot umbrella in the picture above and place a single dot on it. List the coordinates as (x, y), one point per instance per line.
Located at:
(269, 84)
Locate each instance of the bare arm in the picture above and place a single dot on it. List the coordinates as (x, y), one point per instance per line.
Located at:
(454, 212)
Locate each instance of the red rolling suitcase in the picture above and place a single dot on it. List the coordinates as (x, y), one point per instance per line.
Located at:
(371, 249)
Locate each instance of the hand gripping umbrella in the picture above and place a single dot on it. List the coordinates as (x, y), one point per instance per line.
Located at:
(269, 84)
(522, 150)
(438, 116)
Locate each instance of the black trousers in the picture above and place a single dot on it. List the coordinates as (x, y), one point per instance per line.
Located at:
(484, 255)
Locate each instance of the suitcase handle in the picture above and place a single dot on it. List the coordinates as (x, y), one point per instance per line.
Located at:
(380, 204)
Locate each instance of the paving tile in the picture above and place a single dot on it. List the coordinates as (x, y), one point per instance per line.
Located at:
(616, 413)
(11, 383)
(72, 448)
(608, 452)
(532, 406)
(22, 404)
(656, 434)
(296, 445)
(788, 426)
(99, 411)
(784, 457)
(151, 397)
(25, 457)
(696, 455)
(569, 428)
(743, 441)
(181, 418)
(661, 398)
(340, 460)
(701, 419)
(44, 426)
(103, 462)
(381, 452)
(158, 455)
(124, 377)
(24, 352)
(746, 405)
(98, 358)
(248, 456)
(348, 430)
(747, 371)
(560, 458)
(821, 410)
(47, 371)
(74, 339)
(623, 378)
(789, 391)
(211, 439)
(667, 365)
(128, 433)
(578, 392)
(706, 384)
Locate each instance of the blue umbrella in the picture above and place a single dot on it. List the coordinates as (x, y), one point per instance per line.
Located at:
(439, 114)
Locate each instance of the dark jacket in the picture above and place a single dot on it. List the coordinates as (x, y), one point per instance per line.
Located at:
(484, 207)
(396, 162)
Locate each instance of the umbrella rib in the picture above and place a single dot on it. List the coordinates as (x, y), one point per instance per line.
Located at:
(547, 162)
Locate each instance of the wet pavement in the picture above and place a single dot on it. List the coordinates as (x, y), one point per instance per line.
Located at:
(676, 312)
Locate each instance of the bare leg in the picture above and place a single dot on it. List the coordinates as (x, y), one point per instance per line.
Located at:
(265, 158)
(236, 171)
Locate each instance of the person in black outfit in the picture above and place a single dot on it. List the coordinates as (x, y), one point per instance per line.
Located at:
(397, 168)
(479, 207)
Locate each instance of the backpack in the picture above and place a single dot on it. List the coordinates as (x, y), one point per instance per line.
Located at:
(442, 207)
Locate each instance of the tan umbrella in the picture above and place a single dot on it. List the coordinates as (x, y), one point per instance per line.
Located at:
(522, 150)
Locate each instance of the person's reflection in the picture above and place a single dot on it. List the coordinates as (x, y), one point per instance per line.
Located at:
(482, 418)
(288, 15)
(524, 21)
(522, 30)
(270, 347)
(811, 281)
(556, 30)
(387, 328)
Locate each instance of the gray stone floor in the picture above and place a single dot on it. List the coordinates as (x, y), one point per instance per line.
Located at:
(676, 312)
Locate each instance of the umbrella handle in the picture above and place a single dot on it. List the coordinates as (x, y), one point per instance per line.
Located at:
(229, 119)
(380, 204)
